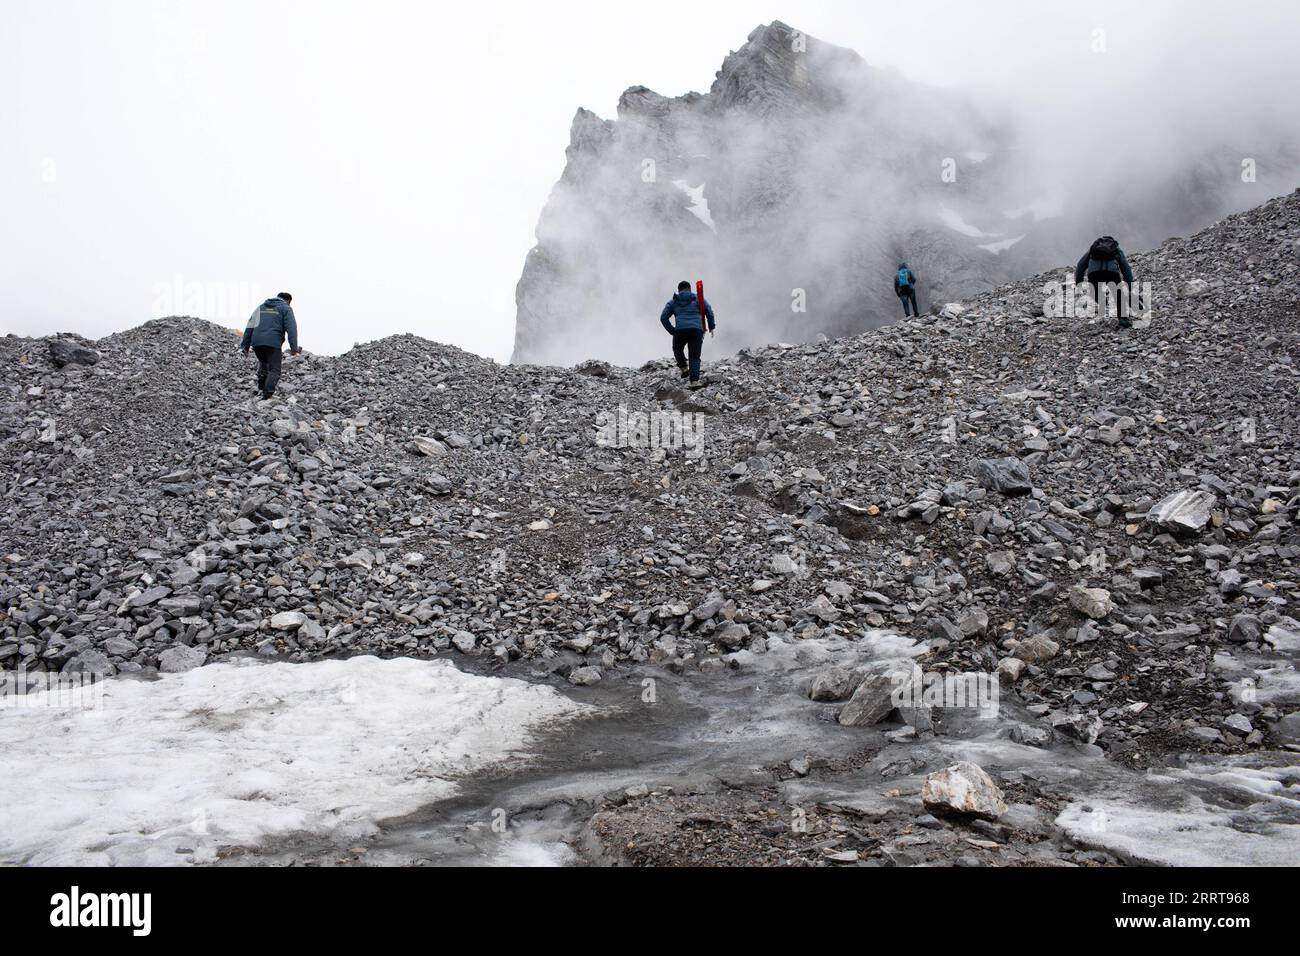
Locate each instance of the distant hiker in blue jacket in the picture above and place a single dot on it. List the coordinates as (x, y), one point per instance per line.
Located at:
(905, 289)
(688, 334)
(268, 326)
(1106, 264)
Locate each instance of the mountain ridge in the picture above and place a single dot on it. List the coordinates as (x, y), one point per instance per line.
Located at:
(814, 198)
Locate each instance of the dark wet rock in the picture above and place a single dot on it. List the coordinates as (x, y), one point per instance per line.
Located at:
(1006, 476)
(69, 352)
(1245, 629)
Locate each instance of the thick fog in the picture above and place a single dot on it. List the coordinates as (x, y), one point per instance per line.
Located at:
(387, 162)
(821, 173)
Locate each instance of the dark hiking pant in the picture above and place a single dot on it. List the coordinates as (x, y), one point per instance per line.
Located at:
(269, 358)
(908, 295)
(1100, 281)
(692, 341)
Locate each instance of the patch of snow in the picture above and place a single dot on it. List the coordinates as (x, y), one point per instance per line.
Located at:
(886, 645)
(166, 772)
(535, 855)
(699, 205)
(953, 220)
(1002, 245)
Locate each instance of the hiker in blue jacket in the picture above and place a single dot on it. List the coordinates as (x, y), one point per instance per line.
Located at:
(905, 289)
(267, 328)
(688, 334)
(1106, 264)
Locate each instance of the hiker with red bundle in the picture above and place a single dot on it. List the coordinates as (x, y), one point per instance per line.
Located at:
(690, 310)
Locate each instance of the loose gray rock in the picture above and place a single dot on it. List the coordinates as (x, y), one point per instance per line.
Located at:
(1096, 603)
(1186, 513)
(875, 699)
(963, 790)
(585, 676)
(831, 684)
(179, 660)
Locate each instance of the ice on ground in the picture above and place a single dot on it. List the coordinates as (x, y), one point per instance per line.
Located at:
(1187, 838)
(699, 205)
(165, 772)
(1268, 681)
(1220, 814)
(789, 653)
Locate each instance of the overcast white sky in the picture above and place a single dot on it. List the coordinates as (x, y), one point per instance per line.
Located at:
(386, 161)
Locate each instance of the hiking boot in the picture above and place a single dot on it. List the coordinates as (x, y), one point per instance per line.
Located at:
(686, 373)
(696, 384)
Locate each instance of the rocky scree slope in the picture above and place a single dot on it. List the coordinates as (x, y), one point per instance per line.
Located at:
(995, 484)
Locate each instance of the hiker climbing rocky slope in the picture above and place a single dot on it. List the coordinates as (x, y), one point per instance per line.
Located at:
(801, 179)
(1106, 519)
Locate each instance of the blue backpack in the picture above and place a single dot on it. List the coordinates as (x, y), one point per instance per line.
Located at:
(904, 278)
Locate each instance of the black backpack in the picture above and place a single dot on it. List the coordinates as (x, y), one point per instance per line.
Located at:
(1105, 249)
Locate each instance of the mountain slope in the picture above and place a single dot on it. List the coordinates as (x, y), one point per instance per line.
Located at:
(410, 499)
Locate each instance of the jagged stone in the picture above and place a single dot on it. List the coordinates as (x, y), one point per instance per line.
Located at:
(1006, 476)
(1096, 603)
(875, 699)
(1187, 512)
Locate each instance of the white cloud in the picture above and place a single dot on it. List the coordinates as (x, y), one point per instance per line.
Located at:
(387, 161)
